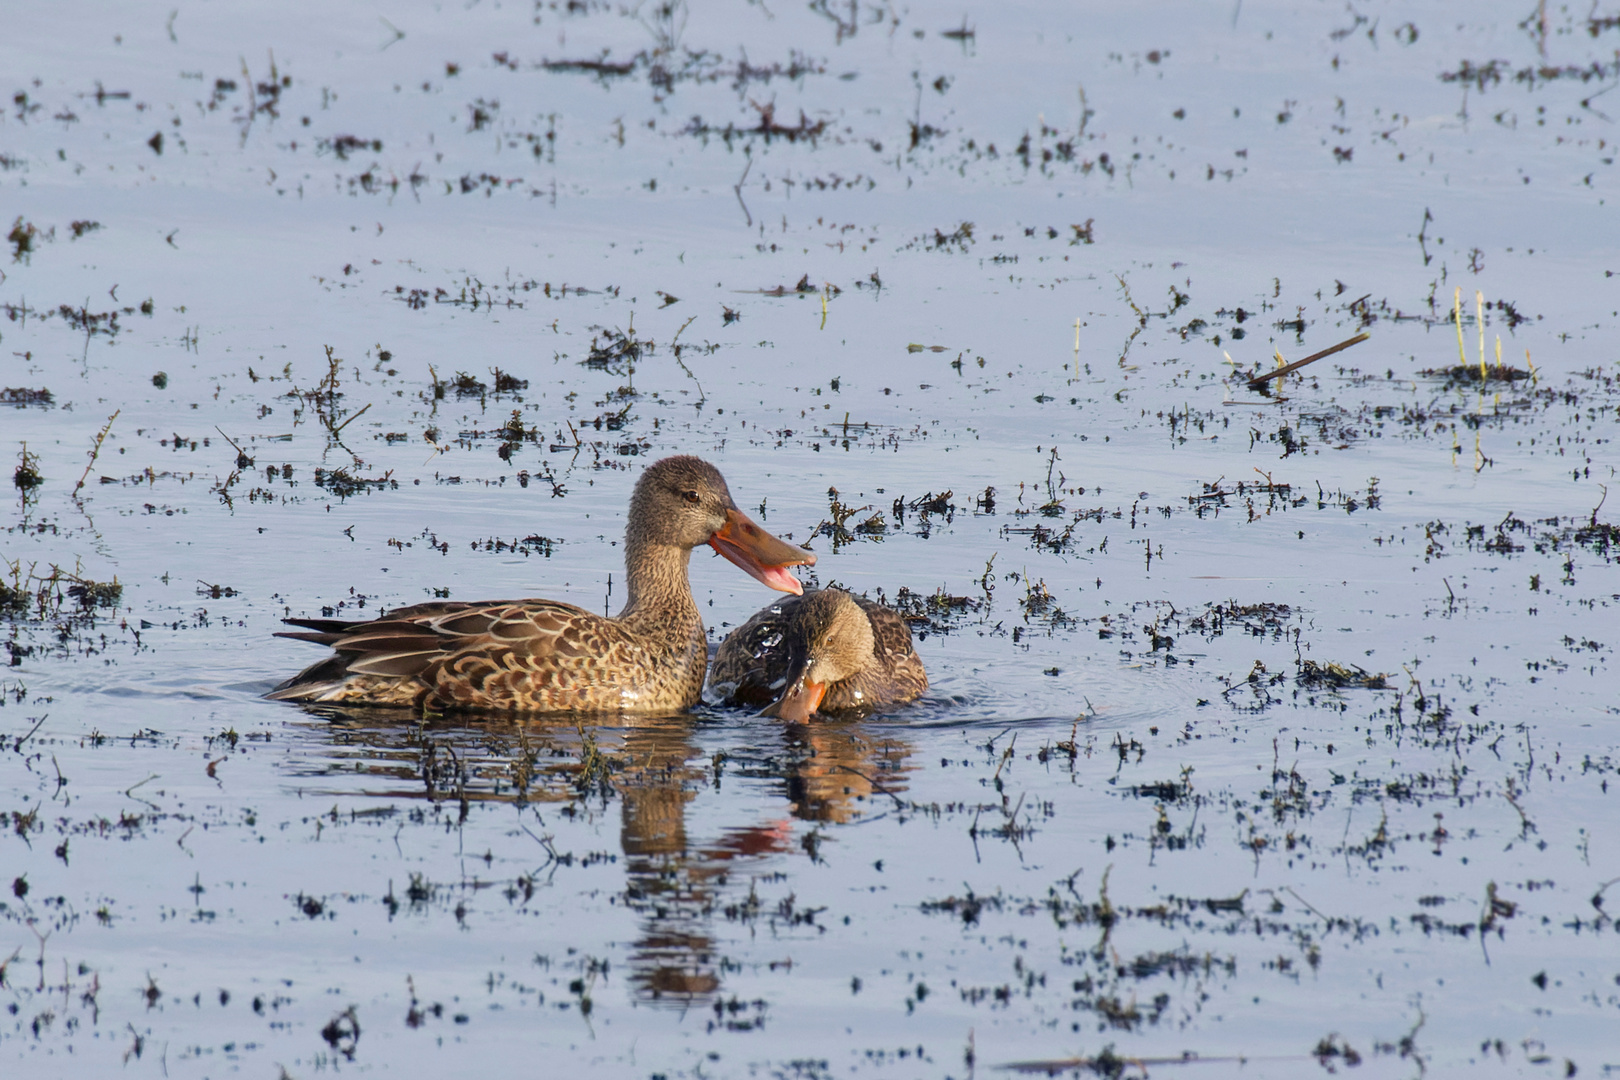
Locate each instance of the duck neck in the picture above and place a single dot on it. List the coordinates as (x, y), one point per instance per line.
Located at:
(656, 581)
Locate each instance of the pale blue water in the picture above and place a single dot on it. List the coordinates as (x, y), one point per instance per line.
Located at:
(1234, 862)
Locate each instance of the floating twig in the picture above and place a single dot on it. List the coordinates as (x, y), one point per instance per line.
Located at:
(95, 449)
(130, 791)
(353, 418)
(1106, 1063)
(230, 440)
(877, 787)
(1259, 380)
(675, 350)
(17, 746)
(738, 186)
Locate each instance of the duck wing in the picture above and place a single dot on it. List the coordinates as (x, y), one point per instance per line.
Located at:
(897, 676)
(447, 646)
(890, 631)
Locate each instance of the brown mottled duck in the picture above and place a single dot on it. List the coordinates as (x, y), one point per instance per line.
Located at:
(547, 656)
(826, 651)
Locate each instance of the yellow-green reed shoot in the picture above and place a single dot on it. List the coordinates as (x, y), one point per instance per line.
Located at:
(1479, 318)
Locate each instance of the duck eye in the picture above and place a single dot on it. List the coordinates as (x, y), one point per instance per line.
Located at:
(691, 497)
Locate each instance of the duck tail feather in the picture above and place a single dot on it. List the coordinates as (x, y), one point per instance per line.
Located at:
(395, 665)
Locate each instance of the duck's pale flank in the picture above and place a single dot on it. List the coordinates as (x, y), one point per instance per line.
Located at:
(547, 656)
(826, 651)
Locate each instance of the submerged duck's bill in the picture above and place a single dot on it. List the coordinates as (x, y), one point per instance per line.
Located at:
(799, 704)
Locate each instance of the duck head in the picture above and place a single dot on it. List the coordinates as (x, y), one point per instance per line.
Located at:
(684, 501)
(828, 640)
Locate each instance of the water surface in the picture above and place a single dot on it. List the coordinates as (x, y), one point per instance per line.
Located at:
(1269, 727)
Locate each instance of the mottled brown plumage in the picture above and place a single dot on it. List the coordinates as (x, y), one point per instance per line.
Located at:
(826, 651)
(546, 656)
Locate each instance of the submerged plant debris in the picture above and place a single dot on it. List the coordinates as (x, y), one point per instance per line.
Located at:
(1270, 729)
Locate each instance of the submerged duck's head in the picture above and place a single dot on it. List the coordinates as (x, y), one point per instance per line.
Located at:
(684, 501)
(828, 639)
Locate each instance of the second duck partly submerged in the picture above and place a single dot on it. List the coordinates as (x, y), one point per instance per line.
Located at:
(826, 651)
(546, 656)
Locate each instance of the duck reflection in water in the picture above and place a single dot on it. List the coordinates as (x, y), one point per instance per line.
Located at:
(680, 886)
